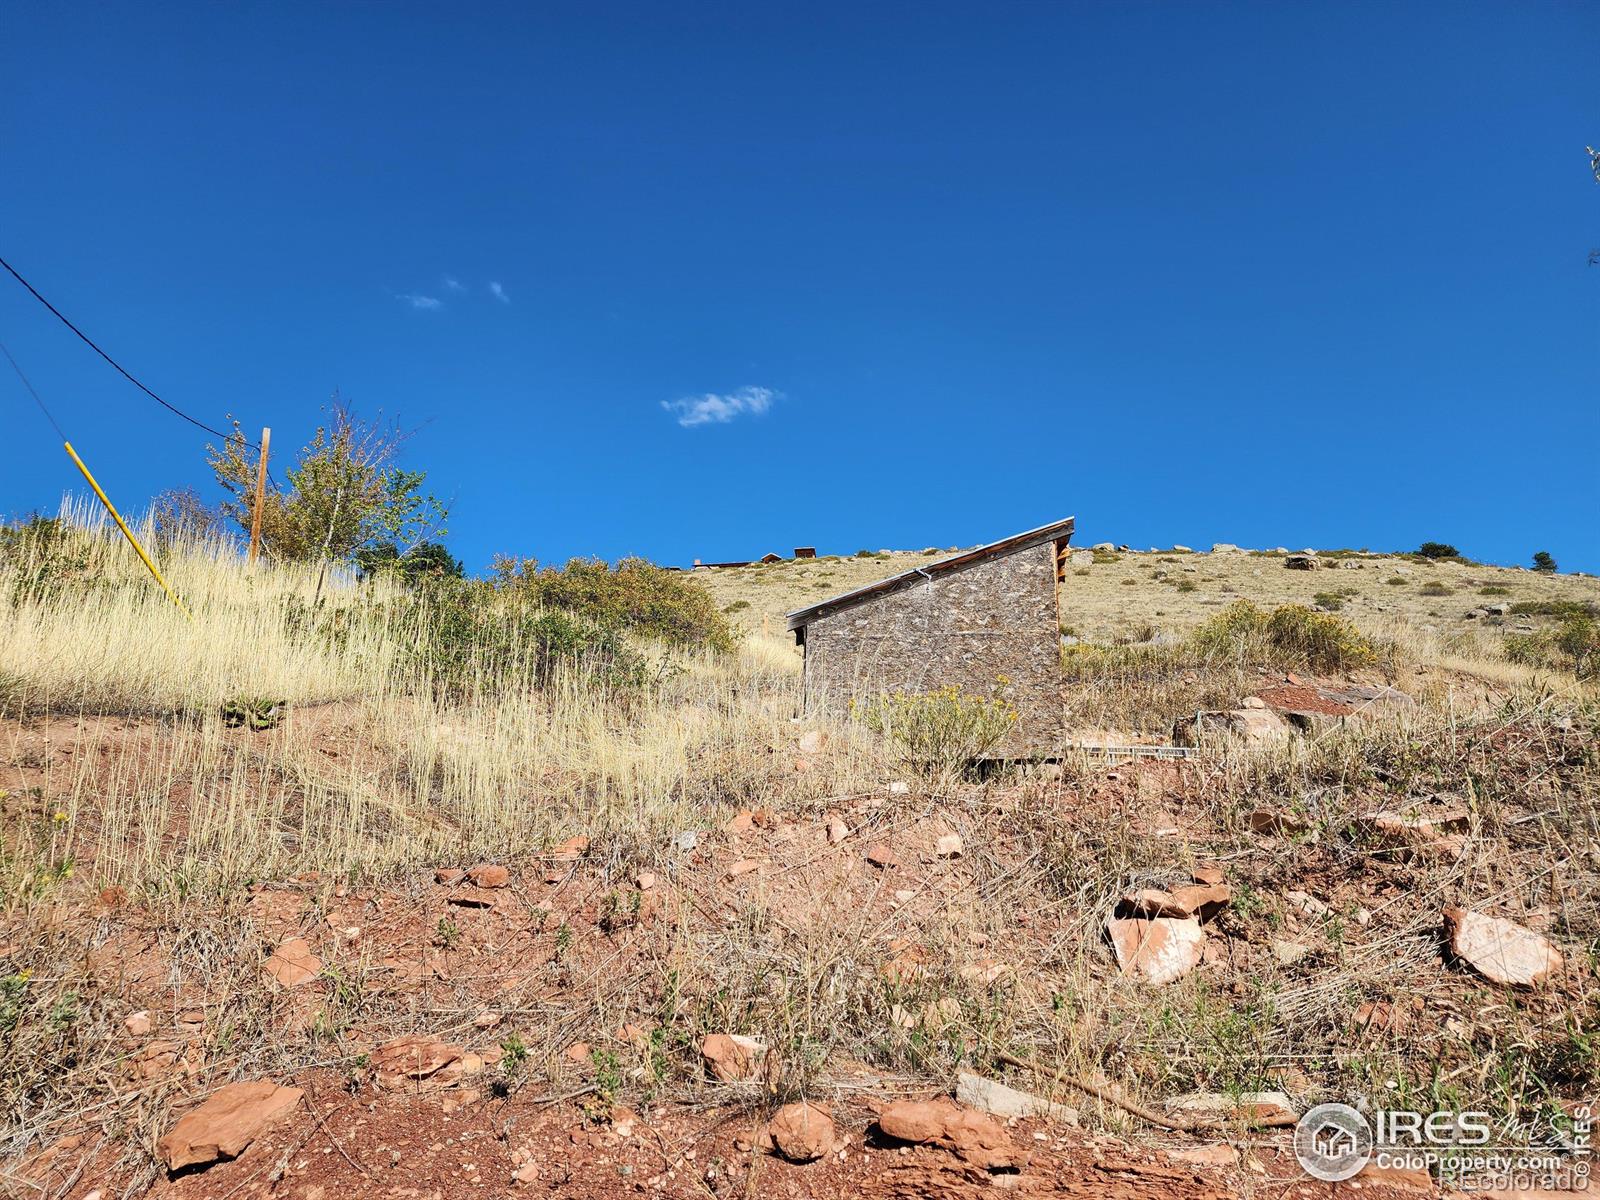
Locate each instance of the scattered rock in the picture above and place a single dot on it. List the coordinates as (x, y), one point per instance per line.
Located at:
(487, 1019)
(983, 972)
(1500, 950)
(528, 1172)
(741, 822)
(802, 1132)
(449, 876)
(489, 875)
(743, 867)
(1308, 904)
(570, 850)
(837, 831)
(1189, 900)
(948, 846)
(1208, 874)
(578, 1052)
(1219, 1154)
(644, 880)
(1302, 562)
(137, 1024)
(1288, 953)
(1159, 949)
(293, 964)
(232, 1118)
(813, 742)
(899, 787)
(422, 1060)
(1251, 726)
(1405, 1179)
(882, 857)
(986, 1095)
(730, 1057)
(1423, 826)
(1271, 820)
(973, 1136)
(1262, 1110)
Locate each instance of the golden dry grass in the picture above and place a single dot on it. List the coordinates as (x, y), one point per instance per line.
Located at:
(1111, 601)
(373, 781)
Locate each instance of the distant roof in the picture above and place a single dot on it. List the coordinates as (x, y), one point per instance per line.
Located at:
(1017, 541)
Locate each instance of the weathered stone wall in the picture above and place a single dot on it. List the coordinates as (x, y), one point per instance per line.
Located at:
(967, 627)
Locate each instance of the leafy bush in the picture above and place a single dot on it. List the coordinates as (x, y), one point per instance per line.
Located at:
(1555, 608)
(1494, 589)
(471, 636)
(428, 560)
(1291, 635)
(1434, 588)
(44, 552)
(1331, 601)
(940, 732)
(1543, 562)
(1437, 550)
(1574, 645)
(636, 596)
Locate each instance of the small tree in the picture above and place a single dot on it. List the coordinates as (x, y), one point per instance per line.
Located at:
(1437, 550)
(1543, 562)
(345, 493)
(430, 560)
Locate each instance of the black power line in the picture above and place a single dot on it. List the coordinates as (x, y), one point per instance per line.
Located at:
(123, 371)
(48, 416)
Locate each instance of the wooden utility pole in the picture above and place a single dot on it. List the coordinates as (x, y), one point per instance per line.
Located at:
(261, 497)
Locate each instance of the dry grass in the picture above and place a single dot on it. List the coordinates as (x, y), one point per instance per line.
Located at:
(943, 962)
(1113, 601)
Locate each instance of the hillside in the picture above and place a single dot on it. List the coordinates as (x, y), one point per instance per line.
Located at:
(376, 890)
(1128, 594)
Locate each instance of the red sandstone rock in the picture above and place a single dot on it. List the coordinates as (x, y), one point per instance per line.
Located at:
(1499, 950)
(293, 964)
(489, 875)
(226, 1123)
(802, 1132)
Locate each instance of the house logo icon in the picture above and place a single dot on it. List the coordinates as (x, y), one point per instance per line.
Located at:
(1332, 1142)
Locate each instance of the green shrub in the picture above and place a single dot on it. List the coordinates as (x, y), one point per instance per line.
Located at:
(1397, 581)
(1331, 601)
(1437, 550)
(1543, 562)
(1291, 635)
(1494, 589)
(636, 596)
(1555, 608)
(470, 638)
(1434, 588)
(1186, 585)
(45, 553)
(1574, 646)
(943, 731)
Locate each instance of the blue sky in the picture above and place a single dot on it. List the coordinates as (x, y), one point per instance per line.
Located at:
(704, 280)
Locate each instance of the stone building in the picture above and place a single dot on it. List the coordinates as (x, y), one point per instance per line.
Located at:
(982, 620)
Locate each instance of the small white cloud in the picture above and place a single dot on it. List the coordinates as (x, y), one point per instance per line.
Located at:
(453, 284)
(425, 303)
(718, 409)
(499, 293)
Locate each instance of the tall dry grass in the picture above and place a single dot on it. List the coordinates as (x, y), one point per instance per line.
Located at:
(373, 771)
